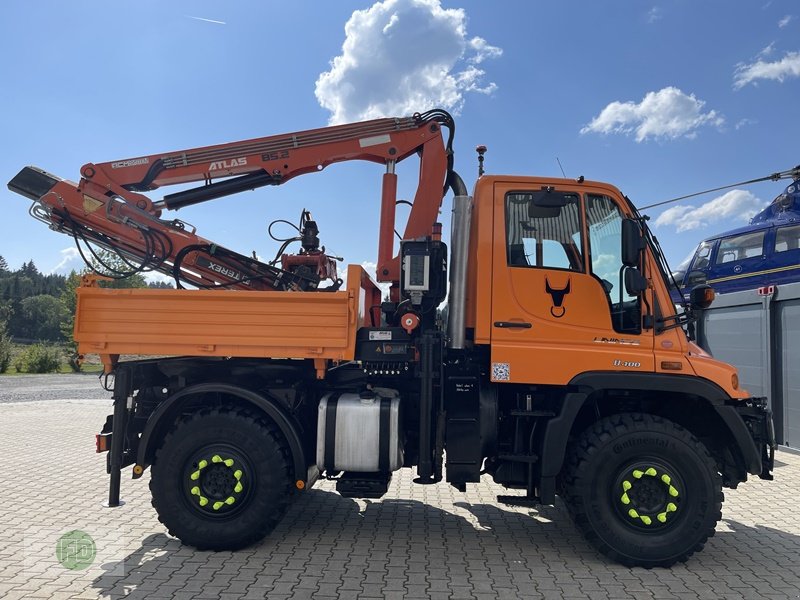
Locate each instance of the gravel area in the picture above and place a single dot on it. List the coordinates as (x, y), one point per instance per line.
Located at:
(73, 386)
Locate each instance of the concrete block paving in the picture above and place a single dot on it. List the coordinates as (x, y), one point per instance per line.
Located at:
(416, 542)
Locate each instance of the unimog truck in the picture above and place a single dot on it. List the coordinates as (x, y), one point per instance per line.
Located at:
(559, 365)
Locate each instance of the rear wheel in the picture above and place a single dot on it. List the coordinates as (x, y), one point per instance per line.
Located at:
(643, 490)
(221, 479)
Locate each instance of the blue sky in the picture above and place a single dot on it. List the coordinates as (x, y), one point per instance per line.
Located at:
(660, 98)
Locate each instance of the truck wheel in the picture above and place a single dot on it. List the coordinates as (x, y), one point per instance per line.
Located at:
(221, 479)
(643, 490)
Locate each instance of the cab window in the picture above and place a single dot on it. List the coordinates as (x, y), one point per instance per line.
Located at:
(740, 247)
(543, 237)
(787, 238)
(604, 223)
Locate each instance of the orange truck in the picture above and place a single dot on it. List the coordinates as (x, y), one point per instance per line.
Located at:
(558, 367)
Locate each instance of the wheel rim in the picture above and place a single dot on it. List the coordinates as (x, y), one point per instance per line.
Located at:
(218, 481)
(648, 496)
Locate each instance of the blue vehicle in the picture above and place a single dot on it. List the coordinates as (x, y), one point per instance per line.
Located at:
(764, 253)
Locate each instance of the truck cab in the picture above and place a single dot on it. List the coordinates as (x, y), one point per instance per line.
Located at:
(552, 297)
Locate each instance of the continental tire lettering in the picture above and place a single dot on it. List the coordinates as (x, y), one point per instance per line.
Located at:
(636, 442)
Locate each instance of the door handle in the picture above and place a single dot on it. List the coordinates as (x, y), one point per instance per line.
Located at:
(513, 324)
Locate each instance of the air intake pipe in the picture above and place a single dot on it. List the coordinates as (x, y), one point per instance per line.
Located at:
(459, 250)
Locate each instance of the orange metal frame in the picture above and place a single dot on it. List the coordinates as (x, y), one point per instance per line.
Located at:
(226, 323)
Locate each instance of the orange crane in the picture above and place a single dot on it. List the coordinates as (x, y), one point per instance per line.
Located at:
(560, 368)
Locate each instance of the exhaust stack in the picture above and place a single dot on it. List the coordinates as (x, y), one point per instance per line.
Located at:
(459, 249)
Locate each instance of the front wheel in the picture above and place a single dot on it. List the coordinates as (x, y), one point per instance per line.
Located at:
(643, 490)
(221, 479)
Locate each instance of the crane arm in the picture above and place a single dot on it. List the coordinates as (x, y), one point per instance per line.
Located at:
(108, 206)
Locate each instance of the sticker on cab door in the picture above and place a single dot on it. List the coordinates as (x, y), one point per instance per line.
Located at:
(558, 309)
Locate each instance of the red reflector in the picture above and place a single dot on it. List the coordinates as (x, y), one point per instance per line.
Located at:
(766, 290)
(101, 442)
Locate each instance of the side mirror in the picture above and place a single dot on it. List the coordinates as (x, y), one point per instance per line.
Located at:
(696, 278)
(701, 296)
(635, 282)
(632, 242)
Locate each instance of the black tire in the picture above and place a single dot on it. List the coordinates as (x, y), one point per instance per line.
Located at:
(221, 479)
(643, 490)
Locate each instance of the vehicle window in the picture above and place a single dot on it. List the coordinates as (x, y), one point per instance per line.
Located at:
(605, 238)
(604, 222)
(740, 247)
(787, 238)
(543, 237)
(702, 257)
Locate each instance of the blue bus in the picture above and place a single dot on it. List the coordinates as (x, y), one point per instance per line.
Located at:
(764, 253)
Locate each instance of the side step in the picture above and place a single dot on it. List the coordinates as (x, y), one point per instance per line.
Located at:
(363, 485)
(532, 413)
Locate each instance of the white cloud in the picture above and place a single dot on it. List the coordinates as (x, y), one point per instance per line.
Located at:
(740, 205)
(766, 51)
(69, 261)
(401, 57)
(668, 113)
(745, 122)
(654, 14)
(786, 67)
(785, 21)
(371, 268)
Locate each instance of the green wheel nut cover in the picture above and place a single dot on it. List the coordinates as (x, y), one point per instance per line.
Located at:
(671, 490)
(194, 476)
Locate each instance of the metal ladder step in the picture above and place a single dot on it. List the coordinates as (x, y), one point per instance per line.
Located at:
(532, 413)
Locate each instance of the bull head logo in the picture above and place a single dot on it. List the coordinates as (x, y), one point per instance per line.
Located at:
(557, 310)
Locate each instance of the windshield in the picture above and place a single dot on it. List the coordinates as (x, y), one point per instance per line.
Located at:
(684, 264)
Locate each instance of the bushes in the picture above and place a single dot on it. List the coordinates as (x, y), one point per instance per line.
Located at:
(5, 349)
(39, 358)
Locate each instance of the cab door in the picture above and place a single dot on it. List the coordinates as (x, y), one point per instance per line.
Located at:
(557, 310)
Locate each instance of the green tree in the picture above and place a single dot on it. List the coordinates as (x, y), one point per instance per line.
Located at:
(5, 348)
(110, 263)
(69, 302)
(6, 310)
(3, 265)
(41, 317)
(29, 269)
(161, 285)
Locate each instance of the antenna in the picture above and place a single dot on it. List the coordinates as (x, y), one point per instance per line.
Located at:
(560, 167)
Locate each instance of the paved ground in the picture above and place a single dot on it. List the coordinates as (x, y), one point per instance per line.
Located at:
(418, 542)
